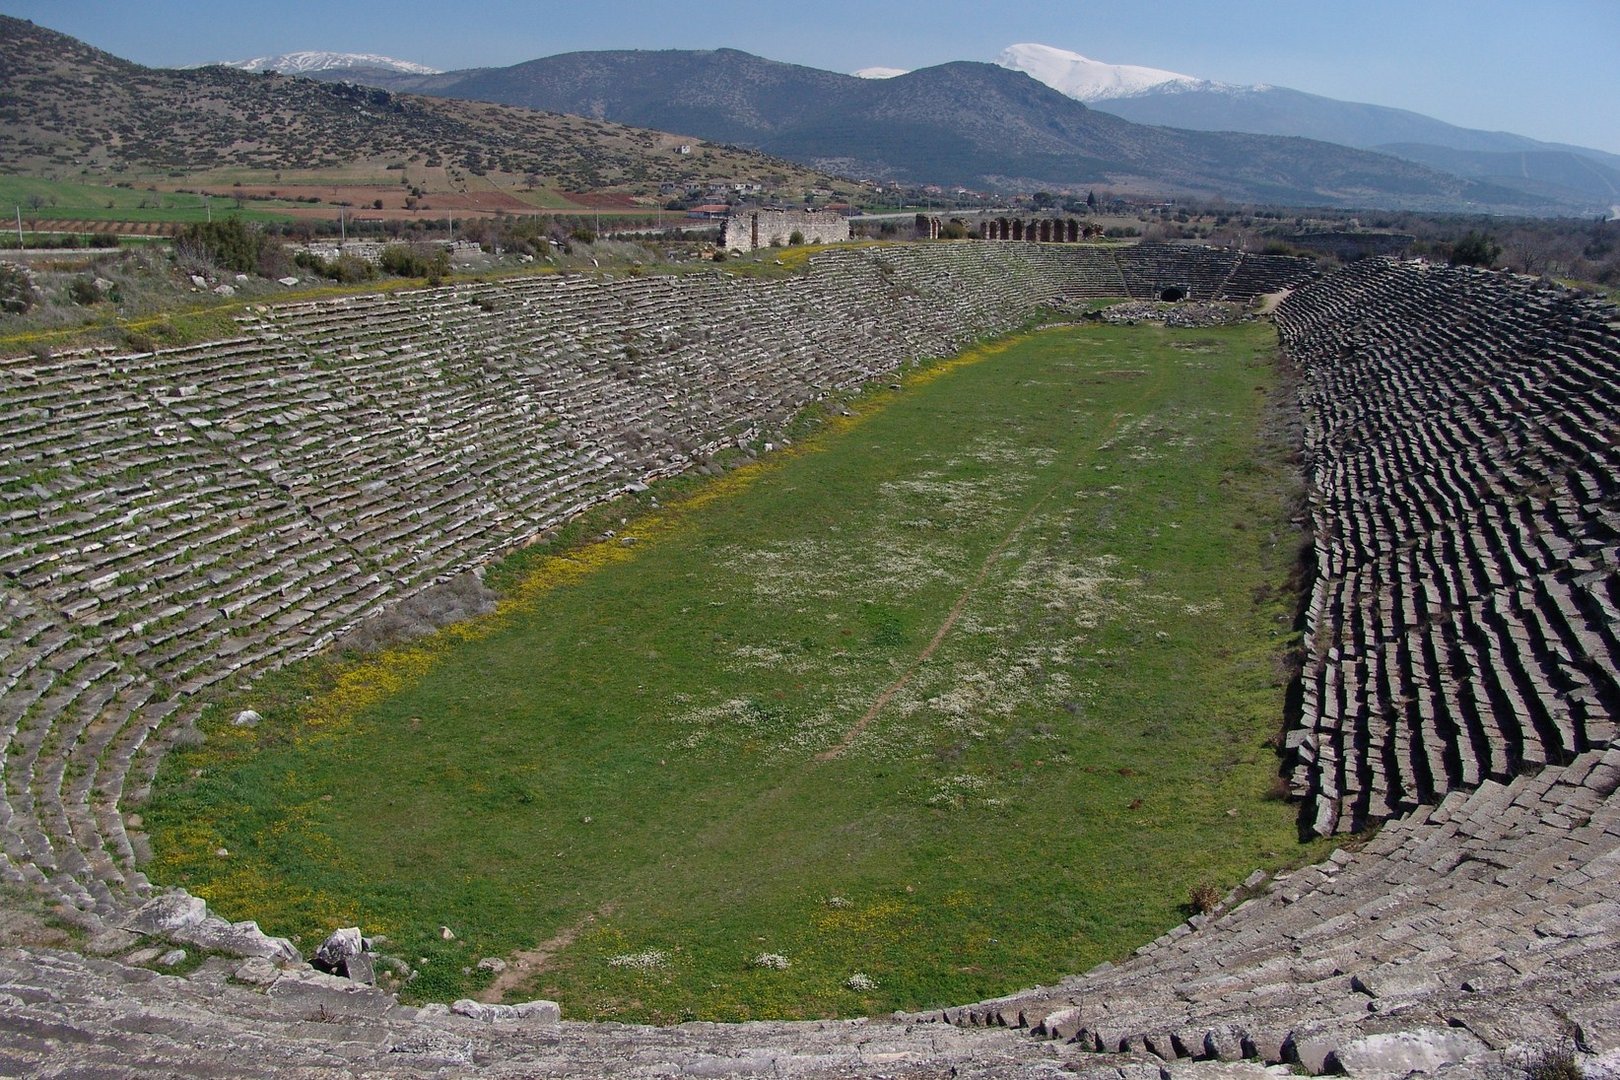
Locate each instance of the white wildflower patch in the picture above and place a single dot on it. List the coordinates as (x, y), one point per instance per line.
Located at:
(649, 960)
(766, 658)
(895, 563)
(861, 982)
(771, 961)
(963, 792)
(723, 721)
(839, 903)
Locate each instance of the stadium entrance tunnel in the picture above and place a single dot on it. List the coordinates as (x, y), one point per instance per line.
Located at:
(1173, 293)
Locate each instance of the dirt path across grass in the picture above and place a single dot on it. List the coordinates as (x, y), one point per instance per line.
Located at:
(837, 750)
(524, 964)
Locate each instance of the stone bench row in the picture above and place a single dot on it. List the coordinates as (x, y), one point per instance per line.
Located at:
(1463, 501)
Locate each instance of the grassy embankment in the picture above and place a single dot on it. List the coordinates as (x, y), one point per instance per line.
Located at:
(965, 692)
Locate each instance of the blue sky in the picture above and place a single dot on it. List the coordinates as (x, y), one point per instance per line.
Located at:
(1545, 68)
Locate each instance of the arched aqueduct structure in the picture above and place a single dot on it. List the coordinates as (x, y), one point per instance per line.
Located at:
(1034, 230)
(179, 518)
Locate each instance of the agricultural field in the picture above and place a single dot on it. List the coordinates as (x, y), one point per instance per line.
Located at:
(970, 688)
(52, 203)
(156, 204)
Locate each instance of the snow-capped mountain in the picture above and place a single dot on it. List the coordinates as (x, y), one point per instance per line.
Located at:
(1088, 80)
(879, 72)
(1146, 95)
(305, 63)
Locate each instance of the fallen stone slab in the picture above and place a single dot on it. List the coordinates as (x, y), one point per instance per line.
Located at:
(360, 968)
(535, 1012)
(167, 914)
(323, 996)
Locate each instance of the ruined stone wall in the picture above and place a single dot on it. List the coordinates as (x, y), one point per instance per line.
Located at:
(1350, 246)
(747, 230)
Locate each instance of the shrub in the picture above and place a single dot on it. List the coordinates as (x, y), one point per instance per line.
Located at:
(18, 293)
(409, 260)
(1475, 249)
(82, 291)
(795, 238)
(345, 269)
(1204, 898)
(229, 243)
(1554, 1063)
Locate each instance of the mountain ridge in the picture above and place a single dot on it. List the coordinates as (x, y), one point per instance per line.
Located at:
(1166, 98)
(963, 123)
(67, 105)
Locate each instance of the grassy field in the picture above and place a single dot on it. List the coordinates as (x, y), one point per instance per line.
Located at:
(63, 200)
(964, 692)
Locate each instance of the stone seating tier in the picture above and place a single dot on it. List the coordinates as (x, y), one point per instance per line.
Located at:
(176, 521)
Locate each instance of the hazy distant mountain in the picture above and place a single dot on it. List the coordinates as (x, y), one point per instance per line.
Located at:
(1152, 96)
(307, 63)
(1554, 173)
(971, 124)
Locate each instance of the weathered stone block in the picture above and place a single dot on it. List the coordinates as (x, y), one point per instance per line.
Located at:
(533, 1012)
(1397, 1053)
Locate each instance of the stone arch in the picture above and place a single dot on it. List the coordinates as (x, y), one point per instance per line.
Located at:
(1017, 229)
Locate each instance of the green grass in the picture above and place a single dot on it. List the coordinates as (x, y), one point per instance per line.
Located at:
(65, 200)
(640, 753)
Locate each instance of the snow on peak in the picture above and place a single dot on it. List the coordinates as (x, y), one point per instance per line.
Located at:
(302, 63)
(879, 72)
(1091, 80)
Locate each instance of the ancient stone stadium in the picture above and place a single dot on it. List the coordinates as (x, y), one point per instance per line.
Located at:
(177, 520)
